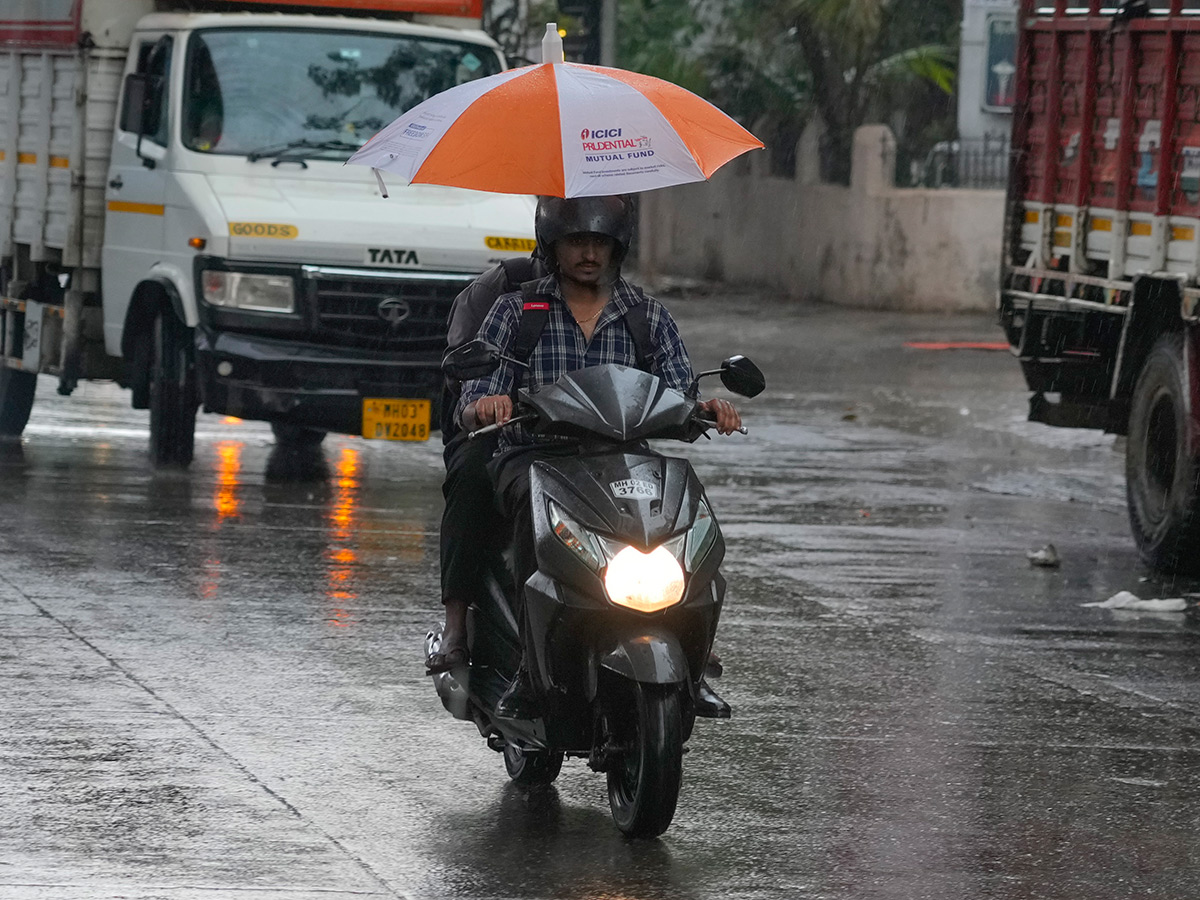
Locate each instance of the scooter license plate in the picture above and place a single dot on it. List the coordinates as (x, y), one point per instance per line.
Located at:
(395, 419)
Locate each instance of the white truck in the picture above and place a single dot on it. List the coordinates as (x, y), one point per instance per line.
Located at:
(175, 214)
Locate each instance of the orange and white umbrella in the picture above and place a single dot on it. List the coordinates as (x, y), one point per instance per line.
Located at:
(559, 129)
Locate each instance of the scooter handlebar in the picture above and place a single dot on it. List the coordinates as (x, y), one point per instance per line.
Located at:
(712, 423)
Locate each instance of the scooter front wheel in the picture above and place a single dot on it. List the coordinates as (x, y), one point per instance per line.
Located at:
(643, 782)
(531, 767)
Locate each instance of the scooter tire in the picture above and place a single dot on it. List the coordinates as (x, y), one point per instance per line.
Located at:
(644, 781)
(531, 767)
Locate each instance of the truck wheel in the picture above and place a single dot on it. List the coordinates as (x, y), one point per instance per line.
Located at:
(1162, 478)
(172, 392)
(296, 436)
(16, 400)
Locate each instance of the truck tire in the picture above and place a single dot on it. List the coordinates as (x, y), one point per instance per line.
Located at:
(16, 400)
(297, 436)
(172, 392)
(1162, 478)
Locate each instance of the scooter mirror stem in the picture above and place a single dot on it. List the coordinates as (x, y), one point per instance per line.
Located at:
(693, 392)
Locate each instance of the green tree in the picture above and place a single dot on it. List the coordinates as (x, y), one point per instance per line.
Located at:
(869, 60)
(773, 63)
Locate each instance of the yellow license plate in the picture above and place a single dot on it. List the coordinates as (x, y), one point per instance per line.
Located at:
(391, 419)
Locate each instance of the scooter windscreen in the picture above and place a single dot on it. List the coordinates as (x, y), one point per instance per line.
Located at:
(615, 402)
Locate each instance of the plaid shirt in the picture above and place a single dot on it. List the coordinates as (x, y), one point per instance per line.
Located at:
(562, 347)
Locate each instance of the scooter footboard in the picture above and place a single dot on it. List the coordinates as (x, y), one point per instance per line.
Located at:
(652, 657)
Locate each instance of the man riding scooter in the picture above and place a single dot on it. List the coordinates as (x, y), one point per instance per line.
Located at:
(582, 314)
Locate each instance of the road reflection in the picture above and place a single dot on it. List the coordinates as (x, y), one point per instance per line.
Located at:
(531, 836)
(226, 499)
(341, 553)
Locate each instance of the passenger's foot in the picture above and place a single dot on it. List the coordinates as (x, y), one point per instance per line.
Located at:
(709, 704)
(450, 654)
(520, 700)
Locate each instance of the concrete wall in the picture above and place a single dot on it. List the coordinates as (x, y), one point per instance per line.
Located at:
(870, 245)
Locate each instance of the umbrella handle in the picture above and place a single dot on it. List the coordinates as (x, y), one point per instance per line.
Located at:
(379, 181)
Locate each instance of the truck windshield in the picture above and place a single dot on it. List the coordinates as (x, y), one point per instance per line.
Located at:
(325, 91)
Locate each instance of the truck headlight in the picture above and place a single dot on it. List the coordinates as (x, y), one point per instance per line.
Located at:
(255, 293)
(645, 582)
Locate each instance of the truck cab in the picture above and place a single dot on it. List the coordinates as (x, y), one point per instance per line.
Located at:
(228, 260)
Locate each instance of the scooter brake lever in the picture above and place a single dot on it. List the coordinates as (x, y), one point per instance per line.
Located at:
(488, 429)
(711, 423)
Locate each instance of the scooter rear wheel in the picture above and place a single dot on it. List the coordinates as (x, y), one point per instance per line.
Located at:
(643, 783)
(531, 767)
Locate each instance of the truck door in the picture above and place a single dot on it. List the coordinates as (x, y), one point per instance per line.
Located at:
(136, 193)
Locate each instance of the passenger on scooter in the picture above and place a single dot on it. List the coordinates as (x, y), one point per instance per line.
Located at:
(469, 518)
(588, 322)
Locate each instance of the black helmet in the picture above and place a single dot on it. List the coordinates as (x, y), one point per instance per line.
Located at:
(556, 218)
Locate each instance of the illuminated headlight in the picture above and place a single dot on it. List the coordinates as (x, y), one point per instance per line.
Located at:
(645, 582)
(257, 293)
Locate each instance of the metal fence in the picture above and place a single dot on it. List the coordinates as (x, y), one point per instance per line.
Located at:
(980, 163)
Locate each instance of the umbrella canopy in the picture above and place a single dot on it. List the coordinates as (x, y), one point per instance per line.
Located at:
(559, 129)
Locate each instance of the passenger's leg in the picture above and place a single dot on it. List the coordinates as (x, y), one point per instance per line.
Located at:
(470, 523)
(520, 700)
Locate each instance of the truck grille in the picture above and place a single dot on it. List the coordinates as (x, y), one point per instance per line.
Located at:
(413, 317)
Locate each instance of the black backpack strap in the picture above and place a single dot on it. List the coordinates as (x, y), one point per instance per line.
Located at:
(638, 323)
(535, 312)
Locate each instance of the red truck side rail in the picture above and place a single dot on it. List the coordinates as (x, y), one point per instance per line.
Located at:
(1104, 192)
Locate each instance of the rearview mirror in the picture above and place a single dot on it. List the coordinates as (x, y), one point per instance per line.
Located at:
(742, 377)
(474, 359)
(133, 103)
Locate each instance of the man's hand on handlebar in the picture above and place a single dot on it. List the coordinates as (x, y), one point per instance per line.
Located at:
(723, 412)
(495, 409)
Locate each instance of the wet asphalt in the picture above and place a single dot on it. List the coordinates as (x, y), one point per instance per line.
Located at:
(211, 683)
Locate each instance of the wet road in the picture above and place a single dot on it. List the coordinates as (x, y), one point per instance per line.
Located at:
(211, 682)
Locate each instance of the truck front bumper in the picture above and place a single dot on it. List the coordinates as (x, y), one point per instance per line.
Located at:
(314, 386)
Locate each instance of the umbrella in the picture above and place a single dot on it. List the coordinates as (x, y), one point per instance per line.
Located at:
(559, 129)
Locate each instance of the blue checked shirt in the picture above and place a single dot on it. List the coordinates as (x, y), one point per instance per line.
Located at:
(562, 347)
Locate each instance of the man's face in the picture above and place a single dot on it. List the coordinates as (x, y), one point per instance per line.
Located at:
(586, 258)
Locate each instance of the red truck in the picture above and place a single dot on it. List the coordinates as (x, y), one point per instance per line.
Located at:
(1101, 266)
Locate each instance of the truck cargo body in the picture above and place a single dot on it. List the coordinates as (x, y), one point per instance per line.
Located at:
(1101, 281)
(175, 213)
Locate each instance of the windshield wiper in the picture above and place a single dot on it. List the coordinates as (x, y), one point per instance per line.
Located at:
(299, 149)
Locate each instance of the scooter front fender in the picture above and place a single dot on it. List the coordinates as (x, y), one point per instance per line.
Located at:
(653, 657)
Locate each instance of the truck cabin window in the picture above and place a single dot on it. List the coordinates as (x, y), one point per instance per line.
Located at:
(326, 93)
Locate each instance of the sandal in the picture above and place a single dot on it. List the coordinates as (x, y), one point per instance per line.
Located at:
(446, 659)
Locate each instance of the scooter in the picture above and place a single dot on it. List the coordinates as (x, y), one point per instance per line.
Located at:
(624, 606)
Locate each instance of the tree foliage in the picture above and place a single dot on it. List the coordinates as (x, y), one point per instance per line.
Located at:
(774, 63)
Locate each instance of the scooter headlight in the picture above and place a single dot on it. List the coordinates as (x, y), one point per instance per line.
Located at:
(575, 537)
(645, 582)
(700, 537)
